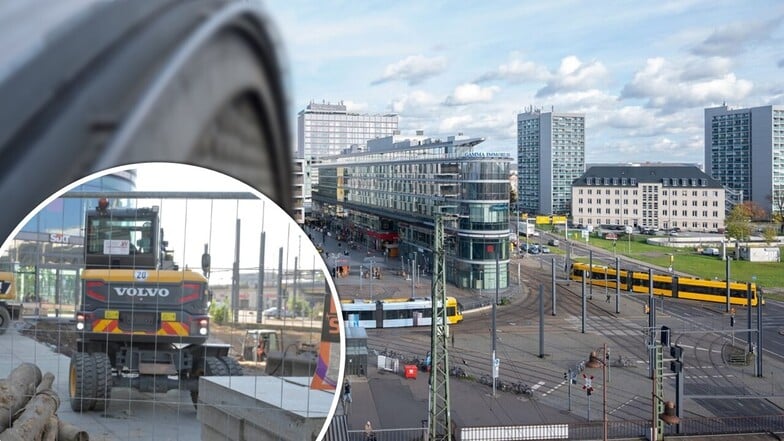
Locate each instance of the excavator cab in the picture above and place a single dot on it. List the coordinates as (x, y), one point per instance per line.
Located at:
(123, 238)
(258, 343)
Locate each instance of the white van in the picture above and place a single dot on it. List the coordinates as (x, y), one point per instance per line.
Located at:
(711, 252)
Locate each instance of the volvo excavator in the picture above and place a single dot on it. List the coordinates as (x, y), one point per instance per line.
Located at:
(141, 321)
(9, 309)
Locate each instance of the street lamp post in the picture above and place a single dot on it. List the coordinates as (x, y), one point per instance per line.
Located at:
(372, 296)
(595, 362)
(495, 304)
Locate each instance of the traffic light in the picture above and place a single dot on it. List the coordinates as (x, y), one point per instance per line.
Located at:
(732, 320)
(677, 364)
(665, 336)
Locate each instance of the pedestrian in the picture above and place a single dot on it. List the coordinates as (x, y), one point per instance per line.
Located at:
(369, 435)
(346, 395)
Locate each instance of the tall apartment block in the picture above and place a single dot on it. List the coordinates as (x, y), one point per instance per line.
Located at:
(327, 129)
(744, 150)
(550, 155)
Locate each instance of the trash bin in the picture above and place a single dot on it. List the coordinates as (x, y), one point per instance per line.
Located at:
(410, 371)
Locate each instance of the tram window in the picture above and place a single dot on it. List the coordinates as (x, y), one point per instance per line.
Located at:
(397, 314)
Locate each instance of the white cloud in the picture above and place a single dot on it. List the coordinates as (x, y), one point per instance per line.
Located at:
(573, 75)
(455, 123)
(470, 93)
(701, 68)
(733, 39)
(413, 69)
(630, 117)
(581, 101)
(517, 70)
(417, 102)
(661, 84)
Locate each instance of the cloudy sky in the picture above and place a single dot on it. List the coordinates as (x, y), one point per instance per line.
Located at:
(188, 225)
(642, 72)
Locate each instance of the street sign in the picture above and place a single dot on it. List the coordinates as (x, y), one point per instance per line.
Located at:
(499, 207)
(540, 220)
(588, 388)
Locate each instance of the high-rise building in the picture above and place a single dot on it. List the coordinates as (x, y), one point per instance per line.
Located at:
(744, 150)
(550, 155)
(327, 129)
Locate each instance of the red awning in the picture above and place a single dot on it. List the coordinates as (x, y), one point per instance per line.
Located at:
(382, 235)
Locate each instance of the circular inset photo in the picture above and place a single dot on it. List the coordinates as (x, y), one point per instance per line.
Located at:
(171, 302)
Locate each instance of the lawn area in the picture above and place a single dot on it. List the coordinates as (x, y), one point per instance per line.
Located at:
(687, 260)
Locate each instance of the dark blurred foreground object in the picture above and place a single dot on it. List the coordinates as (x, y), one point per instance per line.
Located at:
(90, 85)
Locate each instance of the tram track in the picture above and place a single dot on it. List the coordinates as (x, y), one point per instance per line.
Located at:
(625, 333)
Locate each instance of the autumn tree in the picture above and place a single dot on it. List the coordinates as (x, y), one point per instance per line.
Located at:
(777, 204)
(738, 222)
(769, 234)
(755, 211)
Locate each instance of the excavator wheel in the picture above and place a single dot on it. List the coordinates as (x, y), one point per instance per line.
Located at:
(5, 320)
(103, 380)
(233, 366)
(81, 382)
(210, 366)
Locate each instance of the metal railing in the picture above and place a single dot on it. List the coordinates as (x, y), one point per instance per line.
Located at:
(630, 429)
(412, 434)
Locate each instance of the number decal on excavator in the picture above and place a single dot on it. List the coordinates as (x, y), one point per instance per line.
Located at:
(140, 275)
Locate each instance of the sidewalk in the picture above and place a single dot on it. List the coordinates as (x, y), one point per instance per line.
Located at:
(131, 415)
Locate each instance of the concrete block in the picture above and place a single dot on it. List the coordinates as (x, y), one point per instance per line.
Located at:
(260, 408)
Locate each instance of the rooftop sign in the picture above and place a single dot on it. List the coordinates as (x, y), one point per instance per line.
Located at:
(485, 155)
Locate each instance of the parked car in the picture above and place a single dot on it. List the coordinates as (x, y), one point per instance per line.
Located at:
(711, 252)
(534, 249)
(273, 312)
(545, 250)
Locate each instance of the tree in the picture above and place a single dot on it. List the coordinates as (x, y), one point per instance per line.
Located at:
(512, 195)
(738, 222)
(769, 233)
(755, 211)
(777, 204)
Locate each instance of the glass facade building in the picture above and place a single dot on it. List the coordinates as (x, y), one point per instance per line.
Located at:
(387, 196)
(550, 155)
(46, 255)
(744, 150)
